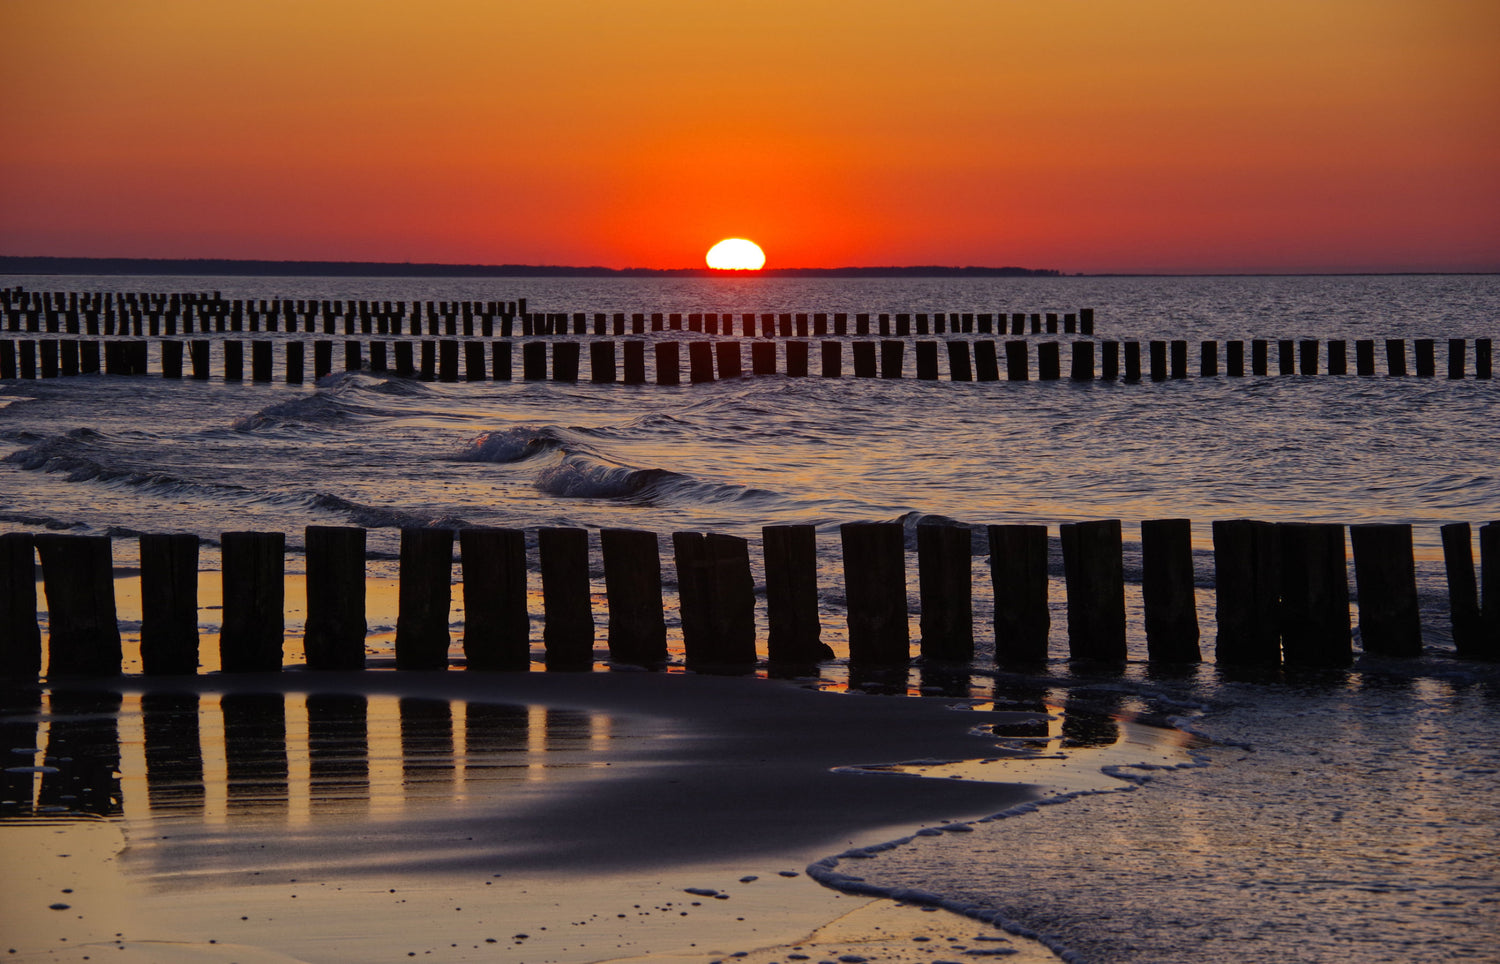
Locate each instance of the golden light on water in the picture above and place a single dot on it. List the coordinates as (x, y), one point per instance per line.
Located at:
(736, 254)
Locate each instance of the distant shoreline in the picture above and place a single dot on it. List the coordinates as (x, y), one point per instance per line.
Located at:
(224, 267)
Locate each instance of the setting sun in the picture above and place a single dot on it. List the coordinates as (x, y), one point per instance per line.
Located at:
(736, 254)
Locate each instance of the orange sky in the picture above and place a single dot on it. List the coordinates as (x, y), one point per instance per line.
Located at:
(1083, 135)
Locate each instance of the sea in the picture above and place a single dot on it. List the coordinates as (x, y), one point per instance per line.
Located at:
(1338, 815)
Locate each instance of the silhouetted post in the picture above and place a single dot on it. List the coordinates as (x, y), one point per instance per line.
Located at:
(169, 604)
(501, 356)
(1286, 356)
(1426, 357)
(1109, 361)
(1093, 568)
(1456, 350)
(1315, 628)
(730, 365)
(1017, 366)
(534, 361)
(927, 367)
(1338, 357)
(1476, 633)
(833, 359)
(1395, 356)
(1307, 357)
(1247, 580)
(875, 593)
(1259, 356)
(1158, 361)
(322, 358)
(667, 371)
(422, 639)
(405, 363)
(791, 560)
(1086, 321)
(294, 362)
(602, 362)
(83, 636)
(565, 361)
(1234, 359)
(475, 369)
(1385, 576)
(260, 360)
(1482, 357)
(568, 632)
(1083, 361)
(700, 362)
(334, 636)
(945, 581)
(1018, 574)
(959, 367)
(1208, 359)
(8, 369)
(20, 634)
(632, 581)
(892, 354)
(497, 627)
(864, 359)
(1048, 362)
(1167, 588)
(1489, 612)
(171, 359)
(635, 363)
(717, 596)
(1132, 361)
(1179, 358)
(254, 592)
(1364, 357)
(234, 361)
(763, 357)
(796, 359)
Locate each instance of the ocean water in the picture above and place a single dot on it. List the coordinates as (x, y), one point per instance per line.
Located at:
(1345, 816)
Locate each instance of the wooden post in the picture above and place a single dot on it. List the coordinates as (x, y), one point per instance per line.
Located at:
(864, 359)
(260, 360)
(568, 632)
(945, 582)
(322, 358)
(334, 636)
(1017, 366)
(1167, 588)
(83, 637)
(959, 367)
(1247, 579)
(1364, 357)
(1456, 350)
(1208, 359)
(1463, 590)
(875, 593)
(717, 597)
(632, 582)
(1093, 568)
(796, 359)
(986, 361)
(171, 359)
(20, 635)
(1315, 627)
(1385, 577)
(169, 604)
(1286, 356)
(1489, 612)
(1132, 361)
(1018, 573)
(1109, 361)
(1158, 361)
(1307, 356)
(1048, 362)
(1086, 321)
(475, 369)
(1338, 357)
(422, 638)
(602, 362)
(294, 362)
(667, 370)
(1234, 359)
(728, 353)
(1179, 358)
(700, 362)
(254, 593)
(402, 350)
(763, 358)
(1482, 357)
(833, 359)
(534, 361)
(565, 361)
(497, 627)
(1083, 361)
(892, 354)
(1258, 356)
(234, 361)
(791, 561)
(1395, 356)
(501, 356)
(927, 366)
(1426, 357)
(635, 363)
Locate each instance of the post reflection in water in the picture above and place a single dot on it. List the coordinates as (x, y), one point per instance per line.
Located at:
(76, 753)
(1088, 721)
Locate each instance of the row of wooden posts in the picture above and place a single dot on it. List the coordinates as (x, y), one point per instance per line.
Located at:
(625, 362)
(1281, 593)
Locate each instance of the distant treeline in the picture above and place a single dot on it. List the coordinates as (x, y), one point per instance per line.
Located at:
(390, 269)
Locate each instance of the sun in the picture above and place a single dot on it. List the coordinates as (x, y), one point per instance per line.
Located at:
(736, 254)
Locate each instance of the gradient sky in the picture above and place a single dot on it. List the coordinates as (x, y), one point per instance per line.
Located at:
(1083, 135)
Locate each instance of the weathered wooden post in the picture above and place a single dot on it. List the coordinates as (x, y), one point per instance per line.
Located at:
(864, 359)
(1315, 627)
(1132, 361)
(875, 593)
(322, 358)
(717, 596)
(171, 359)
(730, 364)
(260, 360)
(83, 636)
(927, 366)
(497, 627)
(294, 363)
(1386, 580)
(1483, 351)
(1247, 579)
(632, 582)
(501, 357)
(1018, 573)
(426, 595)
(1456, 349)
(534, 361)
(667, 370)
(1086, 321)
(1476, 627)
(602, 362)
(1364, 357)
(959, 367)
(254, 593)
(475, 369)
(198, 349)
(1307, 356)
(945, 582)
(892, 353)
(1158, 361)
(1426, 353)
(1234, 359)
(986, 361)
(833, 359)
(1048, 361)
(791, 561)
(169, 604)
(234, 361)
(796, 359)
(1082, 361)
(1208, 359)
(20, 634)
(568, 632)
(1017, 365)
(763, 357)
(1395, 356)
(1109, 361)
(1286, 356)
(565, 361)
(700, 362)
(1179, 358)
(1093, 568)
(1259, 356)
(634, 363)
(334, 636)
(1167, 589)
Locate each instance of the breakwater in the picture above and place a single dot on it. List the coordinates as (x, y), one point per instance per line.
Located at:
(1281, 596)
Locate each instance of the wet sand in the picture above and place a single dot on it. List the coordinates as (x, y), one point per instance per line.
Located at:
(682, 833)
